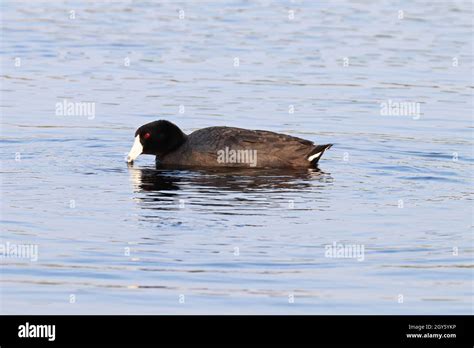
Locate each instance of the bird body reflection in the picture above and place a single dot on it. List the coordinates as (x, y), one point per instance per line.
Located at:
(151, 179)
(165, 189)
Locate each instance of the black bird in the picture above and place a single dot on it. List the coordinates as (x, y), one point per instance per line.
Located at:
(223, 147)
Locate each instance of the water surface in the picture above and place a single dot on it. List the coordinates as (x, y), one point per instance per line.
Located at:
(118, 239)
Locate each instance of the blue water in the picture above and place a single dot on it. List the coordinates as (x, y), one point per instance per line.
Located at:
(113, 239)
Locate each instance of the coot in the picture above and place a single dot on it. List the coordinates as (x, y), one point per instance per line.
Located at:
(223, 147)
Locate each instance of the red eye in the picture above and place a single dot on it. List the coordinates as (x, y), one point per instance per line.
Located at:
(146, 136)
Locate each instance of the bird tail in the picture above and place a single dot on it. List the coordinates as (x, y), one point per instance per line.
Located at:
(316, 153)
